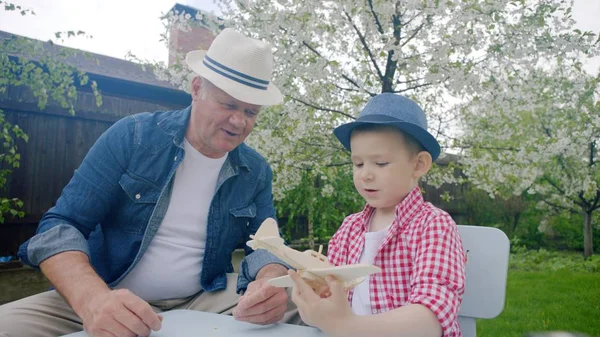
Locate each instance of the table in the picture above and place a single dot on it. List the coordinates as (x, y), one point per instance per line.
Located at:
(192, 323)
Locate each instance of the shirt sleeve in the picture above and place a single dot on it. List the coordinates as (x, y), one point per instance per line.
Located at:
(439, 277)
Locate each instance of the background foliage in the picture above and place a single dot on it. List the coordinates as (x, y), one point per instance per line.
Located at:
(30, 63)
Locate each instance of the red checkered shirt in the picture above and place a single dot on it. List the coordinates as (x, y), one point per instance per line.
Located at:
(421, 258)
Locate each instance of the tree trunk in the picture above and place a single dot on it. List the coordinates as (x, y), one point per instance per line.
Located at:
(311, 216)
(311, 236)
(516, 218)
(588, 245)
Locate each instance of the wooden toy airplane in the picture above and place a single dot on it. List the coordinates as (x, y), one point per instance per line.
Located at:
(312, 266)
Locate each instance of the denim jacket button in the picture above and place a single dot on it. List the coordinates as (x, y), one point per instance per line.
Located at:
(175, 158)
(137, 196)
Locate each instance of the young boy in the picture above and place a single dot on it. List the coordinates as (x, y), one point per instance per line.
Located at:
(416, 244)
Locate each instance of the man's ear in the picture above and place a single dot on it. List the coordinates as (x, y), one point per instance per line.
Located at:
(423, 163)
(195, 88)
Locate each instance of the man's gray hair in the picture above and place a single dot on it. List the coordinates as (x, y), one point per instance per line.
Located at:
(204, 84)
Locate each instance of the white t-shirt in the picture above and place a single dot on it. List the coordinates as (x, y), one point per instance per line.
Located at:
(171, 266)
(361, 298)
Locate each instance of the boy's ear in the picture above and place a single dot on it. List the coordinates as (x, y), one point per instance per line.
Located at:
(422, 164)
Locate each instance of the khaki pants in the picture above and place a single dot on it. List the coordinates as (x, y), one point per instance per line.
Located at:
(48, 314)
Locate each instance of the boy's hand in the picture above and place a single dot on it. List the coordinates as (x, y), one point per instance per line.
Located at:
(328, 314)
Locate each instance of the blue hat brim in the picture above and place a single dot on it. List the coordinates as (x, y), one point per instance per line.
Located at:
(431, 145)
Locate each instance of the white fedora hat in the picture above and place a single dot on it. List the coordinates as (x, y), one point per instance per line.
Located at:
(240, 66)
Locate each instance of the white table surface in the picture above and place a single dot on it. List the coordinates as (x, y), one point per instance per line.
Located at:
(191, 323)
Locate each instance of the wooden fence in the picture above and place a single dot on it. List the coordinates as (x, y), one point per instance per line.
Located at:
(57, 144)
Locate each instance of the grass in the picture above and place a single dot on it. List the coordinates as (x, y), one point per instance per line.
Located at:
(547, 301)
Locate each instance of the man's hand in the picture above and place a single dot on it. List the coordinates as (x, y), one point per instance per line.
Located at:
(104, 312)
(263, 303)
(330, 314)
(119, 313)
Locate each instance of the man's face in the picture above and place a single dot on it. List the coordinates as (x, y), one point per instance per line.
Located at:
(219, 122)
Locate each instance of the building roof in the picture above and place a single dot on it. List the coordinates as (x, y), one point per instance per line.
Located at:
(111, 74)
(98, 64)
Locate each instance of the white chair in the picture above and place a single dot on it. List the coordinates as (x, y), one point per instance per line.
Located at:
(487, 251)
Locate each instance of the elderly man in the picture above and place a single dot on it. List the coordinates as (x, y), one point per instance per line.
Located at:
(150, 219)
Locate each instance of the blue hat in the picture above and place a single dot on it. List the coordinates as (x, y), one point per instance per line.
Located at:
(393, 110)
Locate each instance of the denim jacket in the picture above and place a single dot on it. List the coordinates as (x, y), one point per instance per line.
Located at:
(115, 202)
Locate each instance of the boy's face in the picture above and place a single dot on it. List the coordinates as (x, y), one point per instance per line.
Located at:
(384, 169)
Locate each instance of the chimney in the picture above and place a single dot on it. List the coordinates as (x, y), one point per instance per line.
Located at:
(200, 35)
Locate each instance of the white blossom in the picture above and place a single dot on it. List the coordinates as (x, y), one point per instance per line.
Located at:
(452, 57)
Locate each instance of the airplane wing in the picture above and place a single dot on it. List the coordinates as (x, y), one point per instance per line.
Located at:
(345, 273)
(305, 261)
(282, 282)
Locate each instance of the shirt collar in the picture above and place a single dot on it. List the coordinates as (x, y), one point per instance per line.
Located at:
(408, 208)
(405, 210)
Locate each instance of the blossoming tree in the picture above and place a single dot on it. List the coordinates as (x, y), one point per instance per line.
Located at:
(537, 132)
(332, 56)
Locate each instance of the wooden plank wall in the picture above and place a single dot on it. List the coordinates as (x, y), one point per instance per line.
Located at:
(57, 144)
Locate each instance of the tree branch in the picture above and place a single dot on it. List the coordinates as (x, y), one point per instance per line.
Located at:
(322, 108)
(564, 166)
(560, 207)
(361, 37)
(345, 89)
(596, 202)
(377, 23)
(344, 76)
(339, 164)
(391, 65)
(314, 144)
(413, 87)
(555, 185)
(484, 147)
(592, 152)
(410, 81)
(416, 31)
(407, 22)
(583, 201)
(413, 56)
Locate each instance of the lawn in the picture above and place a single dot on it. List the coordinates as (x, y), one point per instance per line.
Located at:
(547, 301)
